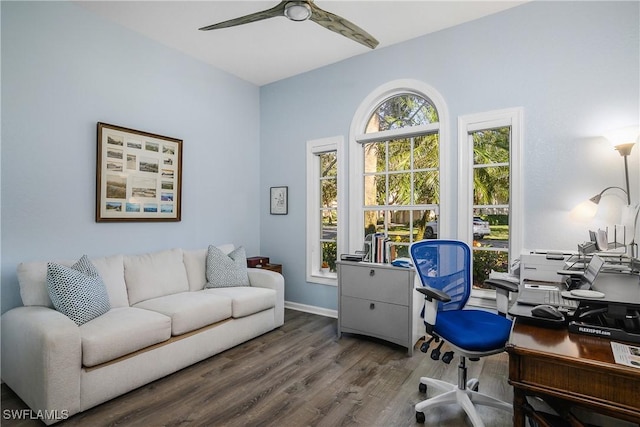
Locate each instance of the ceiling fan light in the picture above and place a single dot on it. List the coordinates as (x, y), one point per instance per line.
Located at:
(297, 11)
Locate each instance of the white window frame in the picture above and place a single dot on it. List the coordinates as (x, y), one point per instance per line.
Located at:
(356, 161)
(313, 247)
(514, 118)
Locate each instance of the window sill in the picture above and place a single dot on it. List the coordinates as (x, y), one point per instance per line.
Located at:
(330, 279)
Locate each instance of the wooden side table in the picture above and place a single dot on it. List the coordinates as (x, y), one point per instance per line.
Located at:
(263, 262)
(272, 267)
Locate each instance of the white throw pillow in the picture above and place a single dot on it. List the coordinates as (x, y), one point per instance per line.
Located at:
(77, 291)
(226, 270)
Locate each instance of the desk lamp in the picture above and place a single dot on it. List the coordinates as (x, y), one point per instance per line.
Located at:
(587, 209)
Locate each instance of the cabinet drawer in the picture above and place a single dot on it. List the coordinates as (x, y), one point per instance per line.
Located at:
(375, 283)
(374, 318)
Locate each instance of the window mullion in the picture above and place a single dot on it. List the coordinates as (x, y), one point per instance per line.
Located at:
(489, 165)
(386, 173)
(427, 129)
(412, 194)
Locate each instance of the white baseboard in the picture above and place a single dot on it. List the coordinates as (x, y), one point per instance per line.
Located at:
(321, 311)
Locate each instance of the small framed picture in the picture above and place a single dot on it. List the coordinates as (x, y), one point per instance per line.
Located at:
(279, 200)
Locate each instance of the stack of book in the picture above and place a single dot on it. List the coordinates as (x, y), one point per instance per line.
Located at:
(379, 248)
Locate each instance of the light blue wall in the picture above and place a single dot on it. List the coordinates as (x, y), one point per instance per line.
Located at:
(573, 66)
(63, 70)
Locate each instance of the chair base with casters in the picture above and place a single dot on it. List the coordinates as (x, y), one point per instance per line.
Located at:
(465, 394)
(444, 269)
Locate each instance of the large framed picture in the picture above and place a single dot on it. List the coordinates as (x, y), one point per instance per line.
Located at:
(279, 200)
(138, 176)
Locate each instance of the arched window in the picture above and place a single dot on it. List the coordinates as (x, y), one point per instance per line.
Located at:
(396, 153)
(401, 111)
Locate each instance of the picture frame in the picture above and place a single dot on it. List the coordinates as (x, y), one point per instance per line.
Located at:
(279, 200)
(138, 176)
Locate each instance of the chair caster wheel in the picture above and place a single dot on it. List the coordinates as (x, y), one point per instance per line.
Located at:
(422, 388)
(473, 384)
(420, 417)
(447, 357)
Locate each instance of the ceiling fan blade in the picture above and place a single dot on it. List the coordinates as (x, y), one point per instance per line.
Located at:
(277, 10)
(342, 26)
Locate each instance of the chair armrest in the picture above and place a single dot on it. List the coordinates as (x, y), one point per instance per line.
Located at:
(502, 284)
(271, 280)
(42, 359)
(432, 293)
(504, 289)
(433, 297)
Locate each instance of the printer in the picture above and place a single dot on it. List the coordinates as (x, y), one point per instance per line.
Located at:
(542, 266)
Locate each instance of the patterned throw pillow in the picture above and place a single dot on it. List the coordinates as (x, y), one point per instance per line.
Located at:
(224, 271)
(78, 291)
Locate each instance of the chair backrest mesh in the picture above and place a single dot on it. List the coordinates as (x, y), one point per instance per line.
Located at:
(444, 265)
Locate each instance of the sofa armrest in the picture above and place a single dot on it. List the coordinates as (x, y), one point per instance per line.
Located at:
(272, 280)
(42, 360)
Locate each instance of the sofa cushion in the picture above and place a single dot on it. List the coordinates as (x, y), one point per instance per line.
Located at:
(121, 331)
(246, 300)
(195, 261)
(77, 291)
(154, 275)
(226, 270)
(190, 310)
(32, 277)
(111, 270)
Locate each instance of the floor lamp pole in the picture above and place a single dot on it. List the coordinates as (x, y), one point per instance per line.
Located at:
(625, 150)
(626, 176)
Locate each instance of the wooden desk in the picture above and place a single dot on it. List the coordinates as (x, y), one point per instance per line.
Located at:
(575, 369)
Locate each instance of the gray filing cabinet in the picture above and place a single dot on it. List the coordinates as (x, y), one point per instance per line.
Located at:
(379, 300)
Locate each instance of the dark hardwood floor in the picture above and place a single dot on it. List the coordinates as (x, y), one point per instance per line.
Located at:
(297, 375)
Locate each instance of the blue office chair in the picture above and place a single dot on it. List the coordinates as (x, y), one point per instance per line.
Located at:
(444, 268)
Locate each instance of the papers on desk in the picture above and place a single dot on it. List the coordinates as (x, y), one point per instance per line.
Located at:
(626, 354)
(618, 245)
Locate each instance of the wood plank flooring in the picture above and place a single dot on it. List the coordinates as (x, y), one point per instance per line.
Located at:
(298, 375)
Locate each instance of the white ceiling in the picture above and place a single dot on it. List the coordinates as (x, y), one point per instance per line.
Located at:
(266, 51)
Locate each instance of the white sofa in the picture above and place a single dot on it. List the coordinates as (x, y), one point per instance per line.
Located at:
(162, 319)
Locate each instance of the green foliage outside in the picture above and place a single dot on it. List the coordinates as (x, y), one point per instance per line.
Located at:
(491, 176)
(329, 254)
(498, 232)
(484, 262)
(496, 219)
